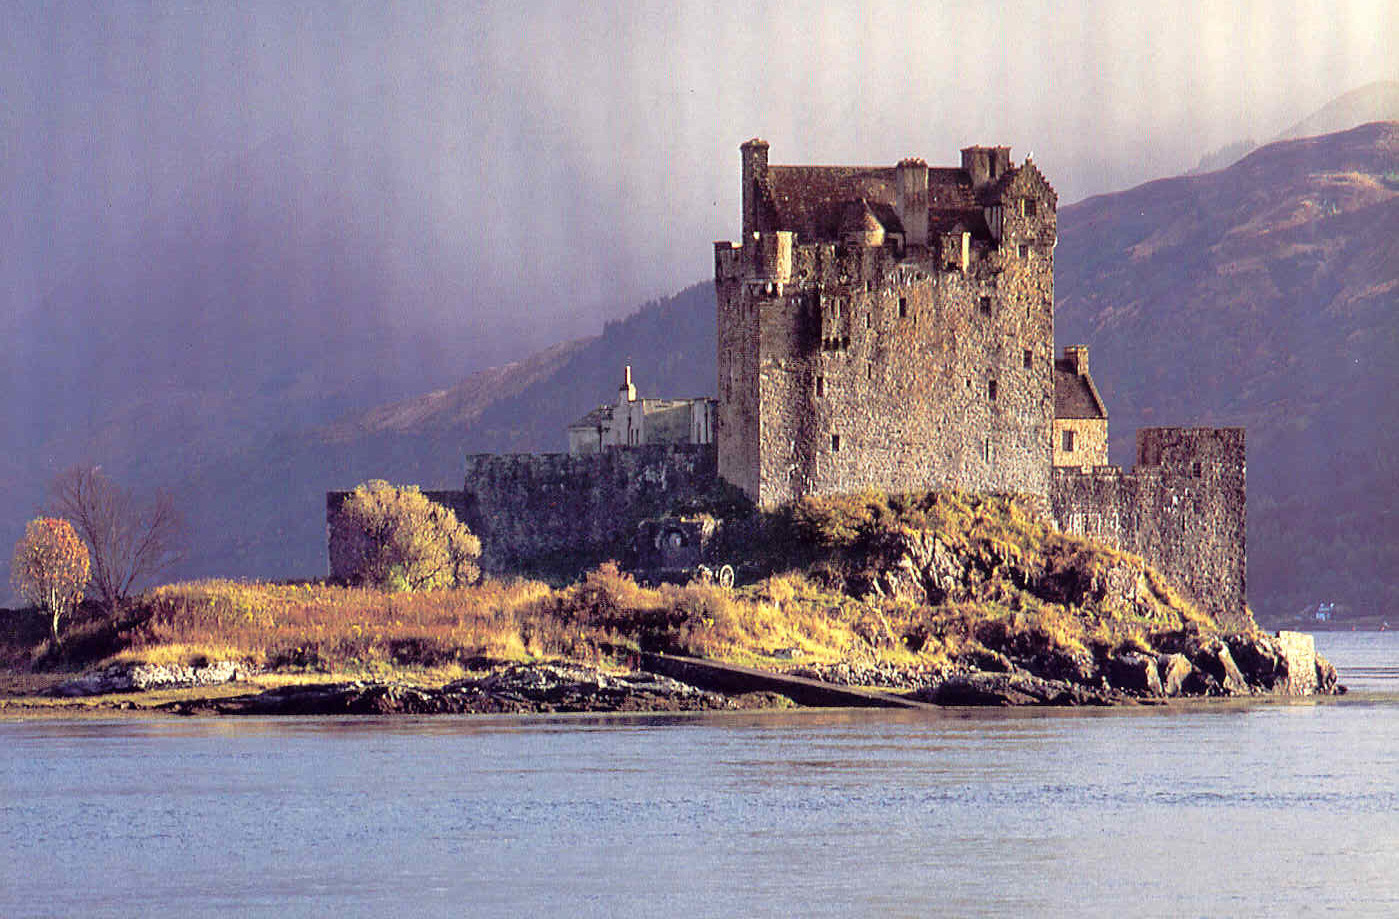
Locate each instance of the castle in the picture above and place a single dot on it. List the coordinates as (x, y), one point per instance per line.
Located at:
(887, 328)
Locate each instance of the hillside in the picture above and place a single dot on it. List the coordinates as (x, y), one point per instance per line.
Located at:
(1263, 295)
(261, 511)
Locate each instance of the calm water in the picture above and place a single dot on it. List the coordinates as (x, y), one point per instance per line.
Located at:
(1277, 808)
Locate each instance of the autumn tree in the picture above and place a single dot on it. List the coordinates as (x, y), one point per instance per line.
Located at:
(50, 568)
(131, 540)
(395, 538)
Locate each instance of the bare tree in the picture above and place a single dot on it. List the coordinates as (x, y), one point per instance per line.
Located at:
(130, 540)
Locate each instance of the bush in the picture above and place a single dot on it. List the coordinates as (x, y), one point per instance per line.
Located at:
(394, 538)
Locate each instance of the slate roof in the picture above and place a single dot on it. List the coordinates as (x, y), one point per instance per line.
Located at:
(812, 201)
(1075, 396)
(602, 415)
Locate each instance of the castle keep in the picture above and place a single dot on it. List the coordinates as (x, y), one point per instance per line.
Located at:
(886, 328)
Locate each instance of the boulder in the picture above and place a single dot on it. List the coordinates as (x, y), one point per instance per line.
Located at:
(146, 677)
(1006, 689)
(1301, 667)
(1261, 660)
(1174, 671)
(1134, 673)
(1327, 680)
(1212, 658)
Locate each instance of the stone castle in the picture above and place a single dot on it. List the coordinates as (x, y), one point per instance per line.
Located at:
(887, 328)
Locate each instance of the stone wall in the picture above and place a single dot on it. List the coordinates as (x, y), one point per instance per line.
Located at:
(866, 373)
(1182, 508)
(1090, 440)
(849, 365)
(555, 510)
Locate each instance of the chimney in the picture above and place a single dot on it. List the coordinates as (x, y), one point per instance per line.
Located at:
(755, 175)
(1077, 358)
(912, 188)
(626, 392)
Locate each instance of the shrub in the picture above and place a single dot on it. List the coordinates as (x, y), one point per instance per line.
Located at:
(395, 538)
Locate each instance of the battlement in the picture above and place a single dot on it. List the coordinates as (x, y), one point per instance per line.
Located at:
(886, 327)
(1183, 508)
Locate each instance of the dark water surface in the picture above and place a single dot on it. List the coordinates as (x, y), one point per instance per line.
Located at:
(1279, 808)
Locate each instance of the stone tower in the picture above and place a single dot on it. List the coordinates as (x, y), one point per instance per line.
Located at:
(887, 327)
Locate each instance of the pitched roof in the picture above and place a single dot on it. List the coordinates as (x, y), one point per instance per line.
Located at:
(602, 415)
(813, 201)
(1075, 396)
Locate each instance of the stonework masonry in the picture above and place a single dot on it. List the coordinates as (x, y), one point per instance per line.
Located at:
(1181, 508)
(887, 328)
(528, 508)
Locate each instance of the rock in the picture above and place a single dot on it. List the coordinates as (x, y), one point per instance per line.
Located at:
(1134, 673)
(1327, 680)
(1174, 671)
(1299, 664)
(146, 677)
(1213, 660)
(1006, 689)
(519, 689)
(1260, 659)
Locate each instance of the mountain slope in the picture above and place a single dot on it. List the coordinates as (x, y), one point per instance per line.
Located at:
(261, 512)
(1263, 295)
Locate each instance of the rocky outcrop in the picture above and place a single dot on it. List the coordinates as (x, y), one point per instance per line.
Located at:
(522, 689)
(1235, 665)
(146, 677)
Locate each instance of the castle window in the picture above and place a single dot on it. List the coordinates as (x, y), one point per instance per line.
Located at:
(991, 390)
(986, 306)
(1068, 441)
(1028, 207)
(988, 452)
(1023, 250)
(903, 307)
(835, 443)
(869, 371)
(1196, 469)
(867, 320)
(820, 386)
(1027, 358)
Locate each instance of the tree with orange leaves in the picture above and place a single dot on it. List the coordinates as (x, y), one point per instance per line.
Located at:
(50, 567)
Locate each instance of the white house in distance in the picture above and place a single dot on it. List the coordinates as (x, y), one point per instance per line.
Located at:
(633, 422)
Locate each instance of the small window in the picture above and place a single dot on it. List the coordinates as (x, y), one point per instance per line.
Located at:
(1028, 206)
(869, 371)
(867, 320)
(1068, 441)
(903, 307)
(986, 306)
(1027, 358)
(991, 390)
(1023, 250)
(820, 386)
(835, 443)
(988, 451)
(1196, 469)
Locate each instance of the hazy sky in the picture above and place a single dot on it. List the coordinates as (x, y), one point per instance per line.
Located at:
(526, 169)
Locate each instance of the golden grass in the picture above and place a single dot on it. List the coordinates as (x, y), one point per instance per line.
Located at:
(1029, 590)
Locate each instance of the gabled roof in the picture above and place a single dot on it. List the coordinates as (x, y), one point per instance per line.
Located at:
(815, 201)
(1075, 396)
(602, 415)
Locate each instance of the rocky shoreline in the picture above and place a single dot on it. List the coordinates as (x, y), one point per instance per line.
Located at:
(1238, 665)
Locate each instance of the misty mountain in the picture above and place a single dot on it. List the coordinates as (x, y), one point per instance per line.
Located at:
(1263, 295)
(261, 511)
(1373, 102)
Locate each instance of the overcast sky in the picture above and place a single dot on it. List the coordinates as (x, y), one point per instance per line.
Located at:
(527, 169)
